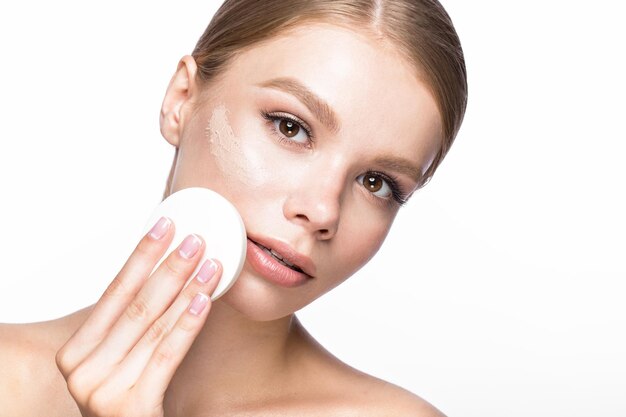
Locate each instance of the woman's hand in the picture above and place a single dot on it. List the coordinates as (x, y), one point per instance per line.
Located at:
(122, 359)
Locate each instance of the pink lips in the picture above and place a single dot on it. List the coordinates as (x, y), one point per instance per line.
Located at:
(273, 270)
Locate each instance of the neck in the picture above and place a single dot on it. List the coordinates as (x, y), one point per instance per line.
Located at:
(233, 359)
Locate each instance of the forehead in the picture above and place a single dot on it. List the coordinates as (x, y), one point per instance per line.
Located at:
(375, 92)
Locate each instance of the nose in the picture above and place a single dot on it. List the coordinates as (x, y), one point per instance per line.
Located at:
(314, 201)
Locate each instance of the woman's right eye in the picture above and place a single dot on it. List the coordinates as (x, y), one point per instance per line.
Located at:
(291, 130)
(288, 129)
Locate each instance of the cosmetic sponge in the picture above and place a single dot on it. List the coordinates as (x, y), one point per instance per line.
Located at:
(206, 213)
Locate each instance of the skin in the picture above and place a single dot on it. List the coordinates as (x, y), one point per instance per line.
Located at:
(250, 355)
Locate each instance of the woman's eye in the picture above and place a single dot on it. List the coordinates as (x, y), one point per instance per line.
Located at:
(376, 185)
(291, 130)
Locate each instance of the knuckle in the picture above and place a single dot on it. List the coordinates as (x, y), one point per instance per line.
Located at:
(99, 402)
(164, 354)
(137, 310)
(187, 325)
(172, 266)
(77, 383)
(139, 406)
(145, 248)
(115, 288)
(62, 360)
(156, 332)
(189, 292)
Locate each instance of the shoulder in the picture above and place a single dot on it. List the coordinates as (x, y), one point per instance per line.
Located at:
(347, 391)
(392, 400)
(30, 383)
(375, 397)
(356, 393)
(25, 361)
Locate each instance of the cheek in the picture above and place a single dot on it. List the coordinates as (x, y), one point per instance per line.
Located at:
(240, 166)
(246, 164)
(360, 237)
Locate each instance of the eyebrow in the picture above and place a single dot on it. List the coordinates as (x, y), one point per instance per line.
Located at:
(401, 165)
(320, 109)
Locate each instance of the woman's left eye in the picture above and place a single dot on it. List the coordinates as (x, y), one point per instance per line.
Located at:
(383, 186)
(289, 129)
(376, 185)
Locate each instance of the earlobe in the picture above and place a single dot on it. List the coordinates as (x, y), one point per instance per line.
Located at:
(178, 97)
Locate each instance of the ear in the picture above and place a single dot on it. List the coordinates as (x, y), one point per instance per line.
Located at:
(179, 97)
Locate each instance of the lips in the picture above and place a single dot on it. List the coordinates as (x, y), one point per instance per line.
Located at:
(284, 254)
(280, 258)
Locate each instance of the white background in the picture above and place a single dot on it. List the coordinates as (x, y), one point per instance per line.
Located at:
(507, 271)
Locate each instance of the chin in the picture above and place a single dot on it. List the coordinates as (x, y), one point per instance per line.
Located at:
(260, 300)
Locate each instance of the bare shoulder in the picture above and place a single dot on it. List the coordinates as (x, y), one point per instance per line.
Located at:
(348, 391)
(30, 383)
(387, 399)
(372, 396)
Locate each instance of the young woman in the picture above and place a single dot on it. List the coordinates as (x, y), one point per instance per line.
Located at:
(317, 119)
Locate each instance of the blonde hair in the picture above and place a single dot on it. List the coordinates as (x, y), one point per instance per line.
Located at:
(420, 29)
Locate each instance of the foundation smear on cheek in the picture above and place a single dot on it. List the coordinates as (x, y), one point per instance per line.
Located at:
(231, 159)
(222, 141)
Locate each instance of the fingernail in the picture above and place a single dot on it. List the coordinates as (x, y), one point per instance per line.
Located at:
(198, 304)
(160, 228)
(207, 271)
(190, 246)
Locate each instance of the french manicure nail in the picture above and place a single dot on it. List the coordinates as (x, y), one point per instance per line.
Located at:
(190, 246)
(207, 271)
(160, 228)
(198, 304)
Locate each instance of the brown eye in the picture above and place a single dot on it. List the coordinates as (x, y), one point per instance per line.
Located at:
(372, 183)
(376, 184)
(288, 128)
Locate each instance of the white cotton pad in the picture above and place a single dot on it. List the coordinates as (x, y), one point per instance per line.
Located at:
(208, 214)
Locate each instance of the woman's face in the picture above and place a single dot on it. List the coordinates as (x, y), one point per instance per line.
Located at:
(312, 136)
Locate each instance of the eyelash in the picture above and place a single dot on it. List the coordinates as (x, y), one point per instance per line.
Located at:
(398, 196)
(273, 116)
